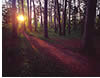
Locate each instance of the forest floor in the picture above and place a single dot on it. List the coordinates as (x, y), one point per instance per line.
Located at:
(31, 56)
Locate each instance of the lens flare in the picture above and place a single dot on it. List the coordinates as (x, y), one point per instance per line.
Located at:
(21, 18)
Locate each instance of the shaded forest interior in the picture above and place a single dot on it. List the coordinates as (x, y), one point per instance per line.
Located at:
(50, 38)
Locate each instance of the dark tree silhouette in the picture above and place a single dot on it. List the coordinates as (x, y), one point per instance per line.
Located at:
(29, 15)
(58, 11)
(45, 19)
(14, 17)
(41, 13)
(55, 17)
(51, 13)
(64, 24)
(69, 22)
(89, 27)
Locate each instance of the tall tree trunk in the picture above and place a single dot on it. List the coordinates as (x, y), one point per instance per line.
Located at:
(99, 14)
(63, 9)
(69, 26)
(83, 20)
(45, 19)
(89, 27)
(14, 18)
(30, 22)
(28, 8)
(35, 19)
(24, 29)
(79, 10)
(18, 6)
(58, 17)
(41, 13)
(64, 16)
(55, 18)
(74, 16)
(28, 16)
(51, 15)
(28, 13)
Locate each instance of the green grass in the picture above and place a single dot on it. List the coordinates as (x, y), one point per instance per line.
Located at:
(52, 35)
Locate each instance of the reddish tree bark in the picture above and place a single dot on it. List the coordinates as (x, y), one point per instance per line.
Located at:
(14, 18)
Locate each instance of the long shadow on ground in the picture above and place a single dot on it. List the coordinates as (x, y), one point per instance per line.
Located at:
(21, 59)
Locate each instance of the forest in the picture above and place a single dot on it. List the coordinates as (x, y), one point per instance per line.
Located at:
(50, 38)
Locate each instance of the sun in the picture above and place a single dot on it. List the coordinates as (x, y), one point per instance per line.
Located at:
(21, 18)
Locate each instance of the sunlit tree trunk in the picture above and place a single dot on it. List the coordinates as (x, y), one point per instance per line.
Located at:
(89, 27)
(84, 16)
(35, 19)
(79, 9)
(51, 14)
(28, 11)
(30, 22)
(45, 19)
(28, 16)
(18, 6)
(24, 29)
(74, 16)
(99, 14)
(41, 13)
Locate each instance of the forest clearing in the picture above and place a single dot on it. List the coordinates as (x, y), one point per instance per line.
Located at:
(51, 38)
